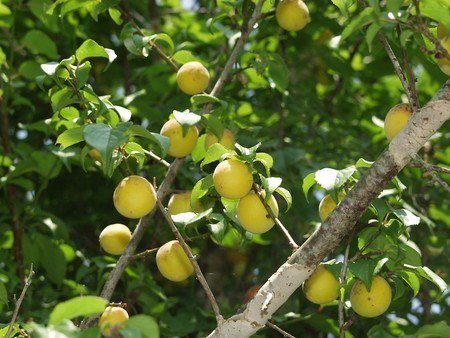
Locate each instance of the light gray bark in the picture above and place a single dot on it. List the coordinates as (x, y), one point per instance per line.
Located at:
(341, 221)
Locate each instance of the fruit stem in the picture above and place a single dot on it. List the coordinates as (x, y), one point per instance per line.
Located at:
(198, 272)
(277, 221)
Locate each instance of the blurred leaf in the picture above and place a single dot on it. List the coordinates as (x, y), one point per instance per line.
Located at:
(3, 294)
(438, 330)
(183, 56)
(80, 306)
(40, 43)
(363, 18)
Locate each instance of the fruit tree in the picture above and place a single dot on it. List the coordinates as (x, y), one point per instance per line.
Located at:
(252, 168)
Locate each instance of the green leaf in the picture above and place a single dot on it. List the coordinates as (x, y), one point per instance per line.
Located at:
(437, 330)
(426, 273)
(40, 43)
(406, 216)
(278, 72)
(308, 182)
(371, 33)
(52, 259)
(266, 160)
(163, 142)
(162, 37)
(435, 9)
(183, 56)
(331, 179)
(216, 152)
(80, 306)
(363, 269)
(342, 5)
(363, 163)
(286, 196)
(202, 187)
(3, 294)
(186, 117)
(362, 19)
(218, 230)
(106, 139)
(200, 99)
(91, 49)
(411, 279)
(70, 137)
(5, 16)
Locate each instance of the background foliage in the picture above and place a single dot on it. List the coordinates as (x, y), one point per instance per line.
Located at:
(313, 99)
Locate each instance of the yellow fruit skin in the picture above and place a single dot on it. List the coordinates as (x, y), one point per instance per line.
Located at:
(115, 238)
(321, 287)
(227, 139)
(134, 197)
(232, 179)
(327, 205)
(179, 203)
(371, 303)
(396, 120)
(180, 145)
(112, 319)
(173, 263)
(252, 214)
(442, 61)
(192, 78)
(292, 15)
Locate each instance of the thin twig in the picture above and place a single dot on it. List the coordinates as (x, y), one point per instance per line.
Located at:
(198, 272)
(398, 70)
(274, 217)
(157, 158)
(430, 169)
(19, 301)
(343, 279)
(144, 254)
(280, 330)
(237, 49)
(127, 16)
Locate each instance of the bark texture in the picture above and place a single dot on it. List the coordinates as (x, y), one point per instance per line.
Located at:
(341, 221)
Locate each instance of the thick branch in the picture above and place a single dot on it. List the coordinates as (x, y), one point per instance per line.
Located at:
(341, 221)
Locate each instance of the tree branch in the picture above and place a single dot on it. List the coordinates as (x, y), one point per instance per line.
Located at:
(341, 221)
